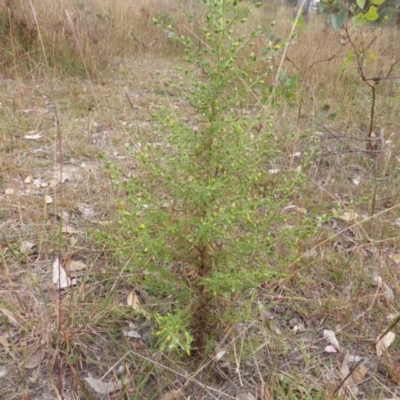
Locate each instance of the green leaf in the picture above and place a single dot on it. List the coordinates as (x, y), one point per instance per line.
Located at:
(338, 20)
(377, 2)
(361, 3)
(359, 19)
(322, 6)
(372, 14)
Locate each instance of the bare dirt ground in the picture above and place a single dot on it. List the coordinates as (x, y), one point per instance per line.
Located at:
(55, 192)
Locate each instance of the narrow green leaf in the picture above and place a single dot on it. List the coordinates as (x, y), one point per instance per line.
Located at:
(361, 3)
(377, 2)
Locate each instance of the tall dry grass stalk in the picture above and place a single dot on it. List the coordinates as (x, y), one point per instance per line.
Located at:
(99, 31)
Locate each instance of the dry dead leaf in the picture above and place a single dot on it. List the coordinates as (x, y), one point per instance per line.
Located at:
(330, 349)
(3, 372)
(86, 212)
(9, 191)
(383, 343)
(389, 294)
(76, 265)
(377, 281)
(133, 301)
(132, 332)
(48, 199)
(60, 277)
(359, 373)
(35, 136)
(35, 359)
(26, 247)
(219, 355)
(331, 338)
(103, 387)
(345, 371)
(349, 216)
(28, 179)
(74, 268)
(70, 230)
(394, 372)
(293, 207)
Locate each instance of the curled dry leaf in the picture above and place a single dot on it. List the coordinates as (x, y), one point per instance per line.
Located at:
(60, 277)
(35, 136)
(35, 359)
(103, 387)
(377, 281)
(219, 355)
(383, 342)
(133, 301)
(331, 338)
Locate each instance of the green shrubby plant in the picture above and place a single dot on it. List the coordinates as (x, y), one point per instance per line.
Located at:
(202, 219)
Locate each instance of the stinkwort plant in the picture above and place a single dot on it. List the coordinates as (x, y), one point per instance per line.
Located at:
(200, 220)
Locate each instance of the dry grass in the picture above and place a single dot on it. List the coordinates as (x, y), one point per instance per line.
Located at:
(279, 353)
(93, 31)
